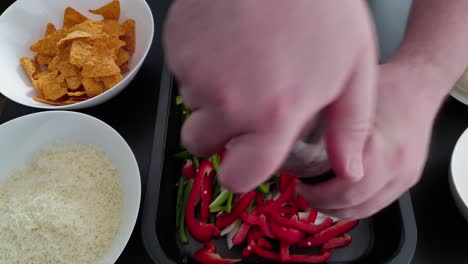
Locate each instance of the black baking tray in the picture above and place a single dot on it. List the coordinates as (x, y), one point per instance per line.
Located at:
(387, 237)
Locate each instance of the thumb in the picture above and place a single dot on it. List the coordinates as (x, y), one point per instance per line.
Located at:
(350, 119)
(252, 159)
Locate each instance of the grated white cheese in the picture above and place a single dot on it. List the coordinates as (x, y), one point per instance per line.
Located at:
(63, 208)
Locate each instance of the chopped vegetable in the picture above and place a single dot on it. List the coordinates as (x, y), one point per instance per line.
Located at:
(182, 229)
(271, 211)
(229, 202)
(220, 199)
(226, 219)
(263, 188)
(201, 231)
(208, 255)
(180, 196)
(188, 170)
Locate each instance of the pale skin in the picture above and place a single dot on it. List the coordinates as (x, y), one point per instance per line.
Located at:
(255, 74)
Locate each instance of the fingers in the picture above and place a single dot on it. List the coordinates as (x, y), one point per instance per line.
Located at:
(389, 194)
(340, 193)
(251, 160)
(204, 133)
(350, 118)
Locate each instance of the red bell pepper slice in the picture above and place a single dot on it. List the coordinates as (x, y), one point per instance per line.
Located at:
(337, 242)
(206, 169)
(287, 211)
(264, 243)
(200, 231)
(259, 199)
(284, 252)
(257, 220)
(286, 235)
(303, 226)
(268, 255)
(341, 227)
(241, 234)
(224, 220)
(207, 255)
(285, 197)
(312, 216)
(254, 234)
(284, 180)
(188, 170)
(301, 203)
(249, 250)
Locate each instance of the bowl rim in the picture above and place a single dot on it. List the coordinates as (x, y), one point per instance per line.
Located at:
(118, 245)
(93, 101)
(454, 179)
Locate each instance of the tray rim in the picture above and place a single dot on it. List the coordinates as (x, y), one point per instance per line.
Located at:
(150, 240)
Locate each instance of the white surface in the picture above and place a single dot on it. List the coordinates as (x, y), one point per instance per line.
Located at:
(22, 137)
(24, 23)
(459, 174)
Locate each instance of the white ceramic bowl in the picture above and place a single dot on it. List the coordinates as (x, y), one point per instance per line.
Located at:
(24, 22)
(22, 137)
(459, 174)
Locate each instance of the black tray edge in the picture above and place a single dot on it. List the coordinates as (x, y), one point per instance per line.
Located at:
(410, 233)
(150, 203)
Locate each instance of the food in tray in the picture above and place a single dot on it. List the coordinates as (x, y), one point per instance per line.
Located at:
(83, 59)
(270, 222)
(64, 207)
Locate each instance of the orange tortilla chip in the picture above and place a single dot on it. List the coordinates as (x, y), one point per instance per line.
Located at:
(48, 45)
(40, 98)
(129, 37)
(76, 94)
(100, 66)
(53, 89)
(43, 77)
(72, 17)
(74, 35)
(122, 57)
(43, 60)
(113, 28)
(73, 83)
(30, 66)
(95, 28)
(40, 75)
(109, 11)
(83, 59)
(50, 29)
(81, 52)
(111, 81)
(93, 87)
(67, 69)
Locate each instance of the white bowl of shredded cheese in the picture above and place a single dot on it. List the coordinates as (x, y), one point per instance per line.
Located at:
(69, 190)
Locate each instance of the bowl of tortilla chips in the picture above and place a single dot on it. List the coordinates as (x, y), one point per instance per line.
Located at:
(71, 54)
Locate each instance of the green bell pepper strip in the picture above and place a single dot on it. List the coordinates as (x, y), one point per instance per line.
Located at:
(218, 209)
(220, 199)
(263, 188)
(229, 202)
(182, 229)
(180, 196)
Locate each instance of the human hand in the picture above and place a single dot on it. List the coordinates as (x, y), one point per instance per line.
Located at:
(256, 72)
(396, 149)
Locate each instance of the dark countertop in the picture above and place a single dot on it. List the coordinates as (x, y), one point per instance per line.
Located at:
(441, 228)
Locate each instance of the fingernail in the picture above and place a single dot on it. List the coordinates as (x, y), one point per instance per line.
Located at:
(355, 169)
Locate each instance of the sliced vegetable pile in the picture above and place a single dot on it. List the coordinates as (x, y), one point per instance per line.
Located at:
(272, 214)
